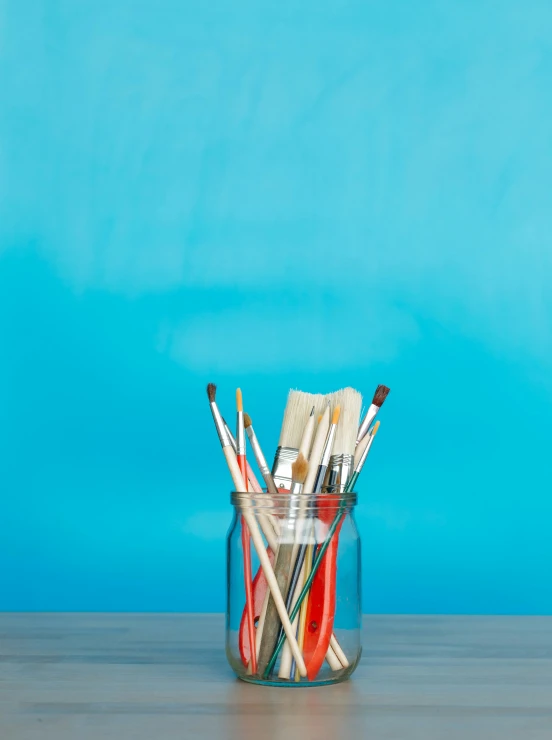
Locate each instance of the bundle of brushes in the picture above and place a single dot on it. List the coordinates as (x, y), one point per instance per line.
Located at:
(322, 449)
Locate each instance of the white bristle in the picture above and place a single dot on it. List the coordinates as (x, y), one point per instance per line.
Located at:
(298, 408)
(350, 401)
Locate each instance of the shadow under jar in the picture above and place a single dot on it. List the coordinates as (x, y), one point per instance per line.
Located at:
(312, 544)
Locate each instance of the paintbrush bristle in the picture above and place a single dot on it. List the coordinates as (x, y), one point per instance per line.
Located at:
(374, 429)
(239, 400)
(298, 409)
(380, 395)
(350, 402)
(335, 415)
(211, 392)
(299, 469)
(247, 420)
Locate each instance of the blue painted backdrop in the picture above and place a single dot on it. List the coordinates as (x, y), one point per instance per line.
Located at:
(273, 195)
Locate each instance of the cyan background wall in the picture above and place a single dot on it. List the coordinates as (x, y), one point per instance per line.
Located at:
(273, 194)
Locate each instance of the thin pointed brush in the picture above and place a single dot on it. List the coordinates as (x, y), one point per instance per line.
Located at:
(269, 523)
(380, 395)
(259, 456)
(246, 544)
(326, 454)
(256, 536)
(282, 566)
(320, 554)
(306, 440)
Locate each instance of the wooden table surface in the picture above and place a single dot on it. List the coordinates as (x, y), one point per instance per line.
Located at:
(164, 676)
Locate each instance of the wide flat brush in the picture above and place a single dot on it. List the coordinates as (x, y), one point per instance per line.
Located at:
(342, 459)
(296, 414)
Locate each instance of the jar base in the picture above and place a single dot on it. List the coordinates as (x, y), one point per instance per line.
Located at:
(285, 684)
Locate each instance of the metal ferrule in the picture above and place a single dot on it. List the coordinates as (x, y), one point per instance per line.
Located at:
(240, 436)
(319, 480)
(342, 467)
(281, 470)
(364, 456)
(366, 422)
(230, 435)
(328, 446)
(256, 447)
(220, 425)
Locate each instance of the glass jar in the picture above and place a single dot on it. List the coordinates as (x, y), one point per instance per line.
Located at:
(310, 544)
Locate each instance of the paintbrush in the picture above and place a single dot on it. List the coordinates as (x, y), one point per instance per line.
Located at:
(360, 464)
(282, 565)
(326, 454)
(342, 459)
(259, 456)
(379, 397)
(246, 544)
(269, 523)
(254, 530)
(296, 415)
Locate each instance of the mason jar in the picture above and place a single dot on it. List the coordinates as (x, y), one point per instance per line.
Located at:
(303, 612)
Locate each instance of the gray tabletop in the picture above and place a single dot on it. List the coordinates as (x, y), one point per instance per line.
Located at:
(165, 676)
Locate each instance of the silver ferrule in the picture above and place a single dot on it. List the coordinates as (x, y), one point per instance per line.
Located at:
(223, 433)
(328, 446)
(256, 447)
(240, 436)
(342, 466)
(281, 470)
(362, 460)
(294, 506)
(365, 423)
(230, 435)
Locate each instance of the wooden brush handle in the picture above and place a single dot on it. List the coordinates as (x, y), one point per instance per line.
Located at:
(282, 568)
(265, 562)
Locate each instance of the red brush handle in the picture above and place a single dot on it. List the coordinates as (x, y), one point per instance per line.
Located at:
(246, 546)
(259, 592)
(321, 604)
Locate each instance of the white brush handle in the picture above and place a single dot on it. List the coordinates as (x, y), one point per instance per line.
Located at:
(306, 440)
(336, 647)
(317, 449)
(333, 660)
(361, 446)
(285, 662)
(258, 543)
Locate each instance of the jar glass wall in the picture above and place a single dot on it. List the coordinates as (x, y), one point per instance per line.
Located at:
(311, 541)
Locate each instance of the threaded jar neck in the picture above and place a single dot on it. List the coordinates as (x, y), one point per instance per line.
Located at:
(282, 504)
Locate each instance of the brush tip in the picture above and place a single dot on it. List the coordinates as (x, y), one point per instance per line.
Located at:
(247, 420)
(211, 392)
(312, 411)
(374, 429)
(335, 417)
(239, 400)
(300, 468)
(380, 395)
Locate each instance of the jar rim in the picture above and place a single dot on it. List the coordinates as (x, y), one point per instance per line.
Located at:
(281, 500)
